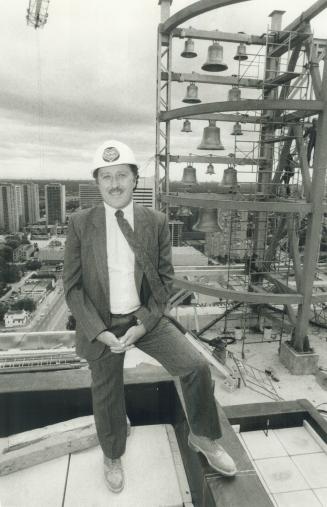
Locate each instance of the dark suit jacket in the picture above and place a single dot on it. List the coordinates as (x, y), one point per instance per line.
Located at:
(86, 277)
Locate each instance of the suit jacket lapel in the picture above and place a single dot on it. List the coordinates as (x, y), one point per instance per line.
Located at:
(99, 233)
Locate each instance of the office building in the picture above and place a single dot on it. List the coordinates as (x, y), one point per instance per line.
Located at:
(19, 198)
(144, 193)
(31, 211)
(89, 195)
(9, 208)
(55, 203)
(176, 229)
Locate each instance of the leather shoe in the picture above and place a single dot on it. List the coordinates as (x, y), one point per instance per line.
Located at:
(216, 455)
(113, 474)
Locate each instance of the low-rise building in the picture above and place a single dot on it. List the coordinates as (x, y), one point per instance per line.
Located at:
(37, 288)
(53, 255)
(22, 253)
(39, 232)
(16, 318)
(188, 256)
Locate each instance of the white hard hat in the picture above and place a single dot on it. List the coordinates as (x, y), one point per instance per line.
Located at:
(112, 153)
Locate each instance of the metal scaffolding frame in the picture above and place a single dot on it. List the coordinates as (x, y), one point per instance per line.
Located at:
(293, 90)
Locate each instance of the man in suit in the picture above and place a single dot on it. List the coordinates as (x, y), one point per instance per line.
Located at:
(117, 278)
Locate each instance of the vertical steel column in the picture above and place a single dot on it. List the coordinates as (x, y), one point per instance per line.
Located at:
(312, 243)
(158, 96)
(266, 150)
(167, 151)
(163, 52)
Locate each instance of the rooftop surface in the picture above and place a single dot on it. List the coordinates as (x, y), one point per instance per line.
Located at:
(77, 479)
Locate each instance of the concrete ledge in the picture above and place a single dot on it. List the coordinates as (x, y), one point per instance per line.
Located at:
(298, 363)
(321, 378)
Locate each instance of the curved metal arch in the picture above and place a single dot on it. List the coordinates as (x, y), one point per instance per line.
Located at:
(194, 10)
(242, 105)
(242, 296)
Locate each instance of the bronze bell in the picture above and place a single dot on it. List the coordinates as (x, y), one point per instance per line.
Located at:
(211, 138)
(229, 177)
(207, 221)
(234, 93)
(189, 49)
(184, 211)
(210, 169)
(189, 175)
(191, 96)
(214, 61)
(241, 52)
(237, 129)
(186, 126)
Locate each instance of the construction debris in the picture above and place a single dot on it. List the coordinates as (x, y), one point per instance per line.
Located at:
(44, 444)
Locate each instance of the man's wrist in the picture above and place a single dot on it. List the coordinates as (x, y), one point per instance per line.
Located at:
(141, 328)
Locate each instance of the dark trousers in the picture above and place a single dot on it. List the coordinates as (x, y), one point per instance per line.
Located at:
(170, 347)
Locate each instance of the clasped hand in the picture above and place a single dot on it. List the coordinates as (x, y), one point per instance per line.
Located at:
(125, 342)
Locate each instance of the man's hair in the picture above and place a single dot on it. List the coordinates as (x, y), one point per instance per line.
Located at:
(134, 170)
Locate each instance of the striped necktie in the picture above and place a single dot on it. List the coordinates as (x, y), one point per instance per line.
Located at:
(156, 285)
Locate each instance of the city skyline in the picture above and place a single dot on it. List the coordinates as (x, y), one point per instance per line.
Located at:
(62, 96)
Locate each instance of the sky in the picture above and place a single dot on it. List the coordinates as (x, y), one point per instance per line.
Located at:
(90, 75)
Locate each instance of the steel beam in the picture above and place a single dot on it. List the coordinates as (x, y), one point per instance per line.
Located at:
(296, 39)
(234, 203)
(242, 105)
(295, 253)
(242, 118)
(307, 15)
(306, 178)
(220, 36)
(314, 69)
(192, 11)
(195, 77)
(215, 159)
(312, 244)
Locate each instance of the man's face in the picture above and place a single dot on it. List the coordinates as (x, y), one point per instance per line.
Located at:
(116, 184)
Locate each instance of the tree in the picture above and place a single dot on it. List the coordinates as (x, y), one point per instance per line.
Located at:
(26, 304)
(3, 309)
(13, 243)
(6, 253)
(32, 265)
(12, 274)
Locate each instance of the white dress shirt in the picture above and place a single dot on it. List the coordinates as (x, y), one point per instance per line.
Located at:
(121, 263)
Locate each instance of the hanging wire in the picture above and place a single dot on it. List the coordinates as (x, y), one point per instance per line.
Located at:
(40, 103)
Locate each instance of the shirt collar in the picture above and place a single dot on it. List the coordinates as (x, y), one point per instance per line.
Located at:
(128, 211)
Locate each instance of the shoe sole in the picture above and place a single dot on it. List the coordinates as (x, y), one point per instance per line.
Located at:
(114, 490)
(195, 448)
